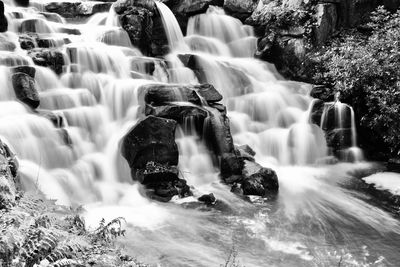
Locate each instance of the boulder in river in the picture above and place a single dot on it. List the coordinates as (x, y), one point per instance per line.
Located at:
(184, 9)
(70, 9)
(164, 93)
(208, 199)
(240, 9)
(143, 23)
(47, 57)
(258, 180)
(29, 70)
(25, 89)
(151, 142)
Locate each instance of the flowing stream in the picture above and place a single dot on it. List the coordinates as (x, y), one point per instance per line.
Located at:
(316, 220)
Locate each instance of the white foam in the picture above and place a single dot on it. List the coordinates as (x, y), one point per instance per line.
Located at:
(389, 181)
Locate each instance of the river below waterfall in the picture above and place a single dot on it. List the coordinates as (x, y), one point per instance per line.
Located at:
(318, 217)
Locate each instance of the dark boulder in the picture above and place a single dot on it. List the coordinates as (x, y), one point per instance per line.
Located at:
(180, 113)
(217, 133)
(164, 191)
(29, 70)
(240, 9)
(287, 53)
(121, 6)
(245, 152)
(77, 9)
(231, 168)
(51, 58)
(138, 23)
(3, 19)
(151, 140)
(154, 173)
(143, 23)
(159, 94)
(25, 89)
(27, 41)
(258, 180)
(184, 9)
(208, 199)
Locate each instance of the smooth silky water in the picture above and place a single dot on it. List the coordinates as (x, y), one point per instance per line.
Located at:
(316, 219)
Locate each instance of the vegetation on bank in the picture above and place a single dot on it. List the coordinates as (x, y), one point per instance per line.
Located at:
(363, 66)
(37, 232)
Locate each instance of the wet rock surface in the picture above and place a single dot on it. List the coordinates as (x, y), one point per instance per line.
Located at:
(25, 89)
(77, 9)
(51, 58)
(141, 20)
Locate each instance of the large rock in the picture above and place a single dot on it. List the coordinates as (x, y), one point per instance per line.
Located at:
(258, 180)
(48, 57)
(217, 133)
(143, 23)
(287, 53)
(240, 9)
(123, 5)
(29, 70)
(77, 9)
(25, 89)
(164, 191)
(138, 23)
(3, 19)
(159, 94)
(8, 174)
(180, 113)
(151, 140)
(184, 9)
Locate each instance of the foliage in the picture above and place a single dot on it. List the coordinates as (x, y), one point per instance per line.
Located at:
(232, 260)
(37, 232)
(364, 68)
(106, 232)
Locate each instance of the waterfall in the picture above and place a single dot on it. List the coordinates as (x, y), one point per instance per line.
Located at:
(316, 220)
(171, 27)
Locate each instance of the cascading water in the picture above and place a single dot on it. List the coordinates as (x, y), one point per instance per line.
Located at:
(316, 219)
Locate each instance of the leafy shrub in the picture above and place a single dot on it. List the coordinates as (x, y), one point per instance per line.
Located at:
(364, 68)
(106, 232)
